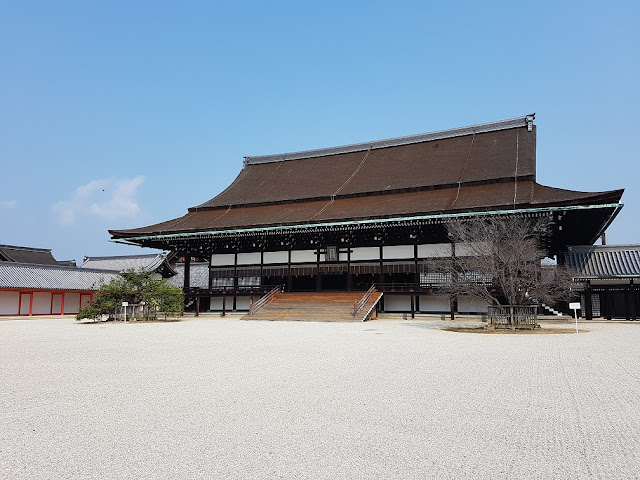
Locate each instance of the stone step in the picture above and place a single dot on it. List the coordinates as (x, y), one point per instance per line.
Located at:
(310, 306)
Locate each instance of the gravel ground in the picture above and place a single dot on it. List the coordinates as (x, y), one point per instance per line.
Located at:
(226, 398)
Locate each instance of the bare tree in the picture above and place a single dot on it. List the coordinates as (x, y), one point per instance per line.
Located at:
(499, 259)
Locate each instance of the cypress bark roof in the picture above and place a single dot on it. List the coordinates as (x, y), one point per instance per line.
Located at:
(450, 200)
(478, 168)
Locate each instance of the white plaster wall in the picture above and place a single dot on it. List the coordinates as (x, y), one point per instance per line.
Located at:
(41, 303)
(248, 281)
(365, 253)
(242, 303)
(57, 303)
(342, 257)
(216, 303)
(303, 256)
(9, 303)
(434, 303)
(434, 250)
(85, 300)
(464, 249)
(24, 304)
(468, 304)
(397, 251)
(397, 303)
(281, 256)
(222, 259)
(251, 258)
(71, 303)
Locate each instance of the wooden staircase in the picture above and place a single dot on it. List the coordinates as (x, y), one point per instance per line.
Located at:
(313, 307)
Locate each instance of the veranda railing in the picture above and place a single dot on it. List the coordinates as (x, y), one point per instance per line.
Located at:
(365, 298)
(265, 299)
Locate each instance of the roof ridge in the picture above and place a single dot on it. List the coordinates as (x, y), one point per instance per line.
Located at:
(622, 246)
(55, 267)
(524, 121)
(123, 256)
(31, 249)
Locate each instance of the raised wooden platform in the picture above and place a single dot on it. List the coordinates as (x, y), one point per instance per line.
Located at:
(313, 307)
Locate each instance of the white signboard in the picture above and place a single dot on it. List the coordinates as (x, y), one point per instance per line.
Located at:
(575, 306)
(125, 304)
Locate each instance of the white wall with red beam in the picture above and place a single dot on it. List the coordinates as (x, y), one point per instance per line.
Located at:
(31, 302)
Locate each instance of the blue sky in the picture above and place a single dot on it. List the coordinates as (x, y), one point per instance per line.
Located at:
(121, 114)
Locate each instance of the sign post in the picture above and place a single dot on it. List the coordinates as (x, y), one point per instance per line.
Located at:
(125, 305)
(575, 306)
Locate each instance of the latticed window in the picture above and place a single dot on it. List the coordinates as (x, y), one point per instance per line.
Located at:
(222, 282)
(434, 279)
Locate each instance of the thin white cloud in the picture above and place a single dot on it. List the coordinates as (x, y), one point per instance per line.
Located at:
(110, 199)
(8, 204)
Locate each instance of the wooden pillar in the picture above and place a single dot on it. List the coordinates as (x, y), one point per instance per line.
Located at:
(318, 276)
(224, 305)
(588, 306)
(31, 304)
(452, 301)
(382, 277)
(235, 276)
(413, 306)
(627, 302)
(62, 304)
(187, 271)
(349, 275)
(289, 279)
(416, 275)
(262, 267)
(198, 306)
(417, 303)
(634, 301)
(452, 307)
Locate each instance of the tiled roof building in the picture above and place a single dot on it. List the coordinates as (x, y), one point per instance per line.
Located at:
(12, 253)
(149, 263)
(612, 277)
(31, 289)
(344, 217)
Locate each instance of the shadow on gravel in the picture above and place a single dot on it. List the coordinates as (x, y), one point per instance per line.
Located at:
(508, 331)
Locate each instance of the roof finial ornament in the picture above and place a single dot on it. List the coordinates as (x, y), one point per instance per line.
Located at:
(529, 119)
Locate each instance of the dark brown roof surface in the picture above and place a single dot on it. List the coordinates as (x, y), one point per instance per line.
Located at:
(41, 256)
(467, 159)
(478, 168)
(423, 202)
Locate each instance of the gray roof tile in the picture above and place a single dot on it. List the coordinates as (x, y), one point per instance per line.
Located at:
(51, 277)
(605, 261)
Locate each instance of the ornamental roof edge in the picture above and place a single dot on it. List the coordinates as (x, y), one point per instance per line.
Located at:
(525, 121)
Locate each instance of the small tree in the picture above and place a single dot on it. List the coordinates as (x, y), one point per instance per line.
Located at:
(499, 259)
(135, 287)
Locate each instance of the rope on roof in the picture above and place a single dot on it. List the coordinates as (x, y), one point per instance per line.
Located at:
(333, 197)
(466, 162)
(515, 179)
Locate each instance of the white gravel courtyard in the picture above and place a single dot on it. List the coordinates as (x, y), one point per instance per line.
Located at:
(226, 398)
